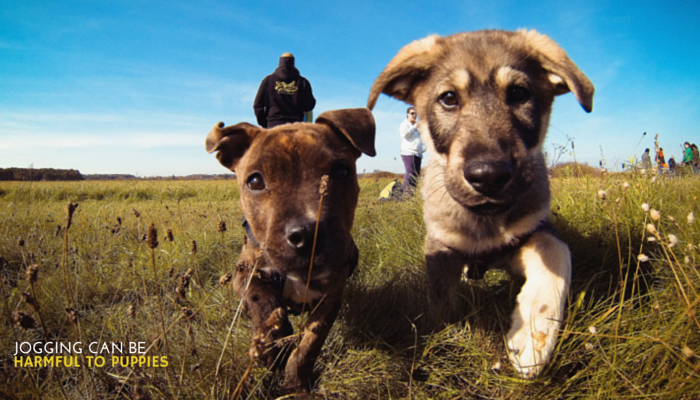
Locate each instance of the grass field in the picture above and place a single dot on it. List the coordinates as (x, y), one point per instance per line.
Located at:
(631, 328)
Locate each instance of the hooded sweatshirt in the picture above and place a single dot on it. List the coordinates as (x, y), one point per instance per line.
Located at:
(284, 96)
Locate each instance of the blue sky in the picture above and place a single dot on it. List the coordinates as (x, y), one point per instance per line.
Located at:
(133, 87)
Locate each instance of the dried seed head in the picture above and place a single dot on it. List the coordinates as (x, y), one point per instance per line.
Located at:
(70, 210)
(73, 315)
(593, 330)
(672, 240)
(169, 234)
(688, 352)
(645, 207)
(323, 189)
(691, 218)
(136, 213)
(225, 279)
(194, 247)
(119, 221)
(131, 312)
(643, 258)
(651, 228)
(222, 226)
(181, 292)
(187, 313)
(152, 237)
(625, 186)
(655, 214)
(23, 320)
(602, 195)
(32, 273)
(20, 243)
(31, 300)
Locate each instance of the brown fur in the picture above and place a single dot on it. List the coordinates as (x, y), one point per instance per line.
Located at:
(484, 100)
(280, 173)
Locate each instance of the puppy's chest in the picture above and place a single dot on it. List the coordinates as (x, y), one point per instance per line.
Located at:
(297, 295)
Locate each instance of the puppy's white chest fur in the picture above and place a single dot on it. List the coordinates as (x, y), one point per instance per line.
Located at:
(295, 289)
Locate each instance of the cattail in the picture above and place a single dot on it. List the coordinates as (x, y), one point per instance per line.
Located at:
(70, 210)
(119, 221)
(225, 279)
(169, 235)
(194, 248)
(23, 320)
(20, 243)
(136, 213)
(152, 237)
(32, 273)
(222, 226)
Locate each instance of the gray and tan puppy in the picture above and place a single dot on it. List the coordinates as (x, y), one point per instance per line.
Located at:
(484, 100)
(298, 193)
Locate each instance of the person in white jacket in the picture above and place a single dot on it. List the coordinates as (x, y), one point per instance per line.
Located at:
(412, 149)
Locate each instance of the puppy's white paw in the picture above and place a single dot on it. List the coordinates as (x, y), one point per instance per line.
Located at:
(531, 344)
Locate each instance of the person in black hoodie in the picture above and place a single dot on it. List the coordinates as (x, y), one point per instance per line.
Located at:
(284, 96)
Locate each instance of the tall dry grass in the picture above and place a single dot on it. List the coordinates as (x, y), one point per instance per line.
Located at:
(631, 331)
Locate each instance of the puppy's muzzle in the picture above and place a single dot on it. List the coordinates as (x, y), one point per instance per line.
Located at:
(489, 178)
(300, 236)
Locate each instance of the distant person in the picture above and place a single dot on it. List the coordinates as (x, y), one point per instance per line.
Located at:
(646, 160)
(688, 155)
(672, 165)
(660, 159)
(284, 96)
(696, 158)
(412, 149)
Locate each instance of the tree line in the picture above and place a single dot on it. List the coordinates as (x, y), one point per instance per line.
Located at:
(40, 174)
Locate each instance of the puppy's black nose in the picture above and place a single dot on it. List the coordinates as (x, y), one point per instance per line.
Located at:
(488, 178)
(300, 236)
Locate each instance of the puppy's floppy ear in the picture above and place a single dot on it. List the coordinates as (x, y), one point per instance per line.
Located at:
(231, 142)
(563, 73)
(411, 64)
(356, 124)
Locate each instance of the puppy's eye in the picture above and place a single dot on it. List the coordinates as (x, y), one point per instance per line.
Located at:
(340, 171)
(516, 94)
(449, 99)
(255, 182)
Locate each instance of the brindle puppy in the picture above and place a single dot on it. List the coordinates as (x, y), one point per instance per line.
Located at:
(484, 100)
(298, 193)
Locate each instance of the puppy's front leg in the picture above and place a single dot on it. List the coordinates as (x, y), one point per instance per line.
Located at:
(268, 314)
(444, 270)
(298, 373)
(545, 262)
